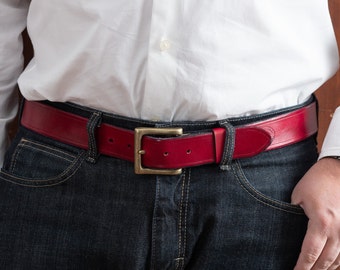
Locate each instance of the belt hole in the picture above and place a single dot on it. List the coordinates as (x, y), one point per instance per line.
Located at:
(110, 140)
(165, 154)
(129, 146)
(188, 151)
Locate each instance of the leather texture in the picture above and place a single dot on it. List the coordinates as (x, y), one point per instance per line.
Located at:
(173, 152)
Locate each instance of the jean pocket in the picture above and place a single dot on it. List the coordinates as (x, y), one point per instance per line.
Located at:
(35, 163)
(271, 177)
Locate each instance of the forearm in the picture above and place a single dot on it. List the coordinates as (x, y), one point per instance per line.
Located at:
(331, 145)
(12, 22)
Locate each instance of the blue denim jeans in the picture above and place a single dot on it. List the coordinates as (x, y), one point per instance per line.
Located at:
(60, 211)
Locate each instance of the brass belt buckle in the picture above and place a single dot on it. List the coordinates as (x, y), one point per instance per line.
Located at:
(142, 131)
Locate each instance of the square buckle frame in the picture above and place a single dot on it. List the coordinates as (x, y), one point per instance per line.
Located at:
(142, 131)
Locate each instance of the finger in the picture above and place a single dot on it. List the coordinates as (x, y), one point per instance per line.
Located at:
(336, 264)
(312, 247)
(327, 259)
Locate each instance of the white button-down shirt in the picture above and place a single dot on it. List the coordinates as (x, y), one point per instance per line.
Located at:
(169, 60)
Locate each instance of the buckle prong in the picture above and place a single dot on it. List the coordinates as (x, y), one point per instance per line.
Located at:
(142, 131)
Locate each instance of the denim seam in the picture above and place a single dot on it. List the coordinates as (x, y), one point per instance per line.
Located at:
(261, 197)
(183, 124)
(186, 213)
(201, 122)
(179, 260)
(44, 183)
(25, 141)
(28, 144)
(154, 226)
(183, 218)
(14, 158)
(41, 150)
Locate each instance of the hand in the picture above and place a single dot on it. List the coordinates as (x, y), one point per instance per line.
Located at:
(318, 193)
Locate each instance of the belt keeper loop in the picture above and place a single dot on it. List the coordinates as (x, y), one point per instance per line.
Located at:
(92, 124)
(229, 146)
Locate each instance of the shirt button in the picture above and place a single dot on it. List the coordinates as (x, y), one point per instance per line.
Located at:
(164, 45)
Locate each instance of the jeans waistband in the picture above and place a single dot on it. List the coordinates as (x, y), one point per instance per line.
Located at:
(132, 123)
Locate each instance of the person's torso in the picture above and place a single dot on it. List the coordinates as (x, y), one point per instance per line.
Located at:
(179, 60)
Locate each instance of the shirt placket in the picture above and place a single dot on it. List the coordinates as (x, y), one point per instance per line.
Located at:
(161, 71)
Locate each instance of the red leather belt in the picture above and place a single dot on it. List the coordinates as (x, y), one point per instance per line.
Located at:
(168, 150)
